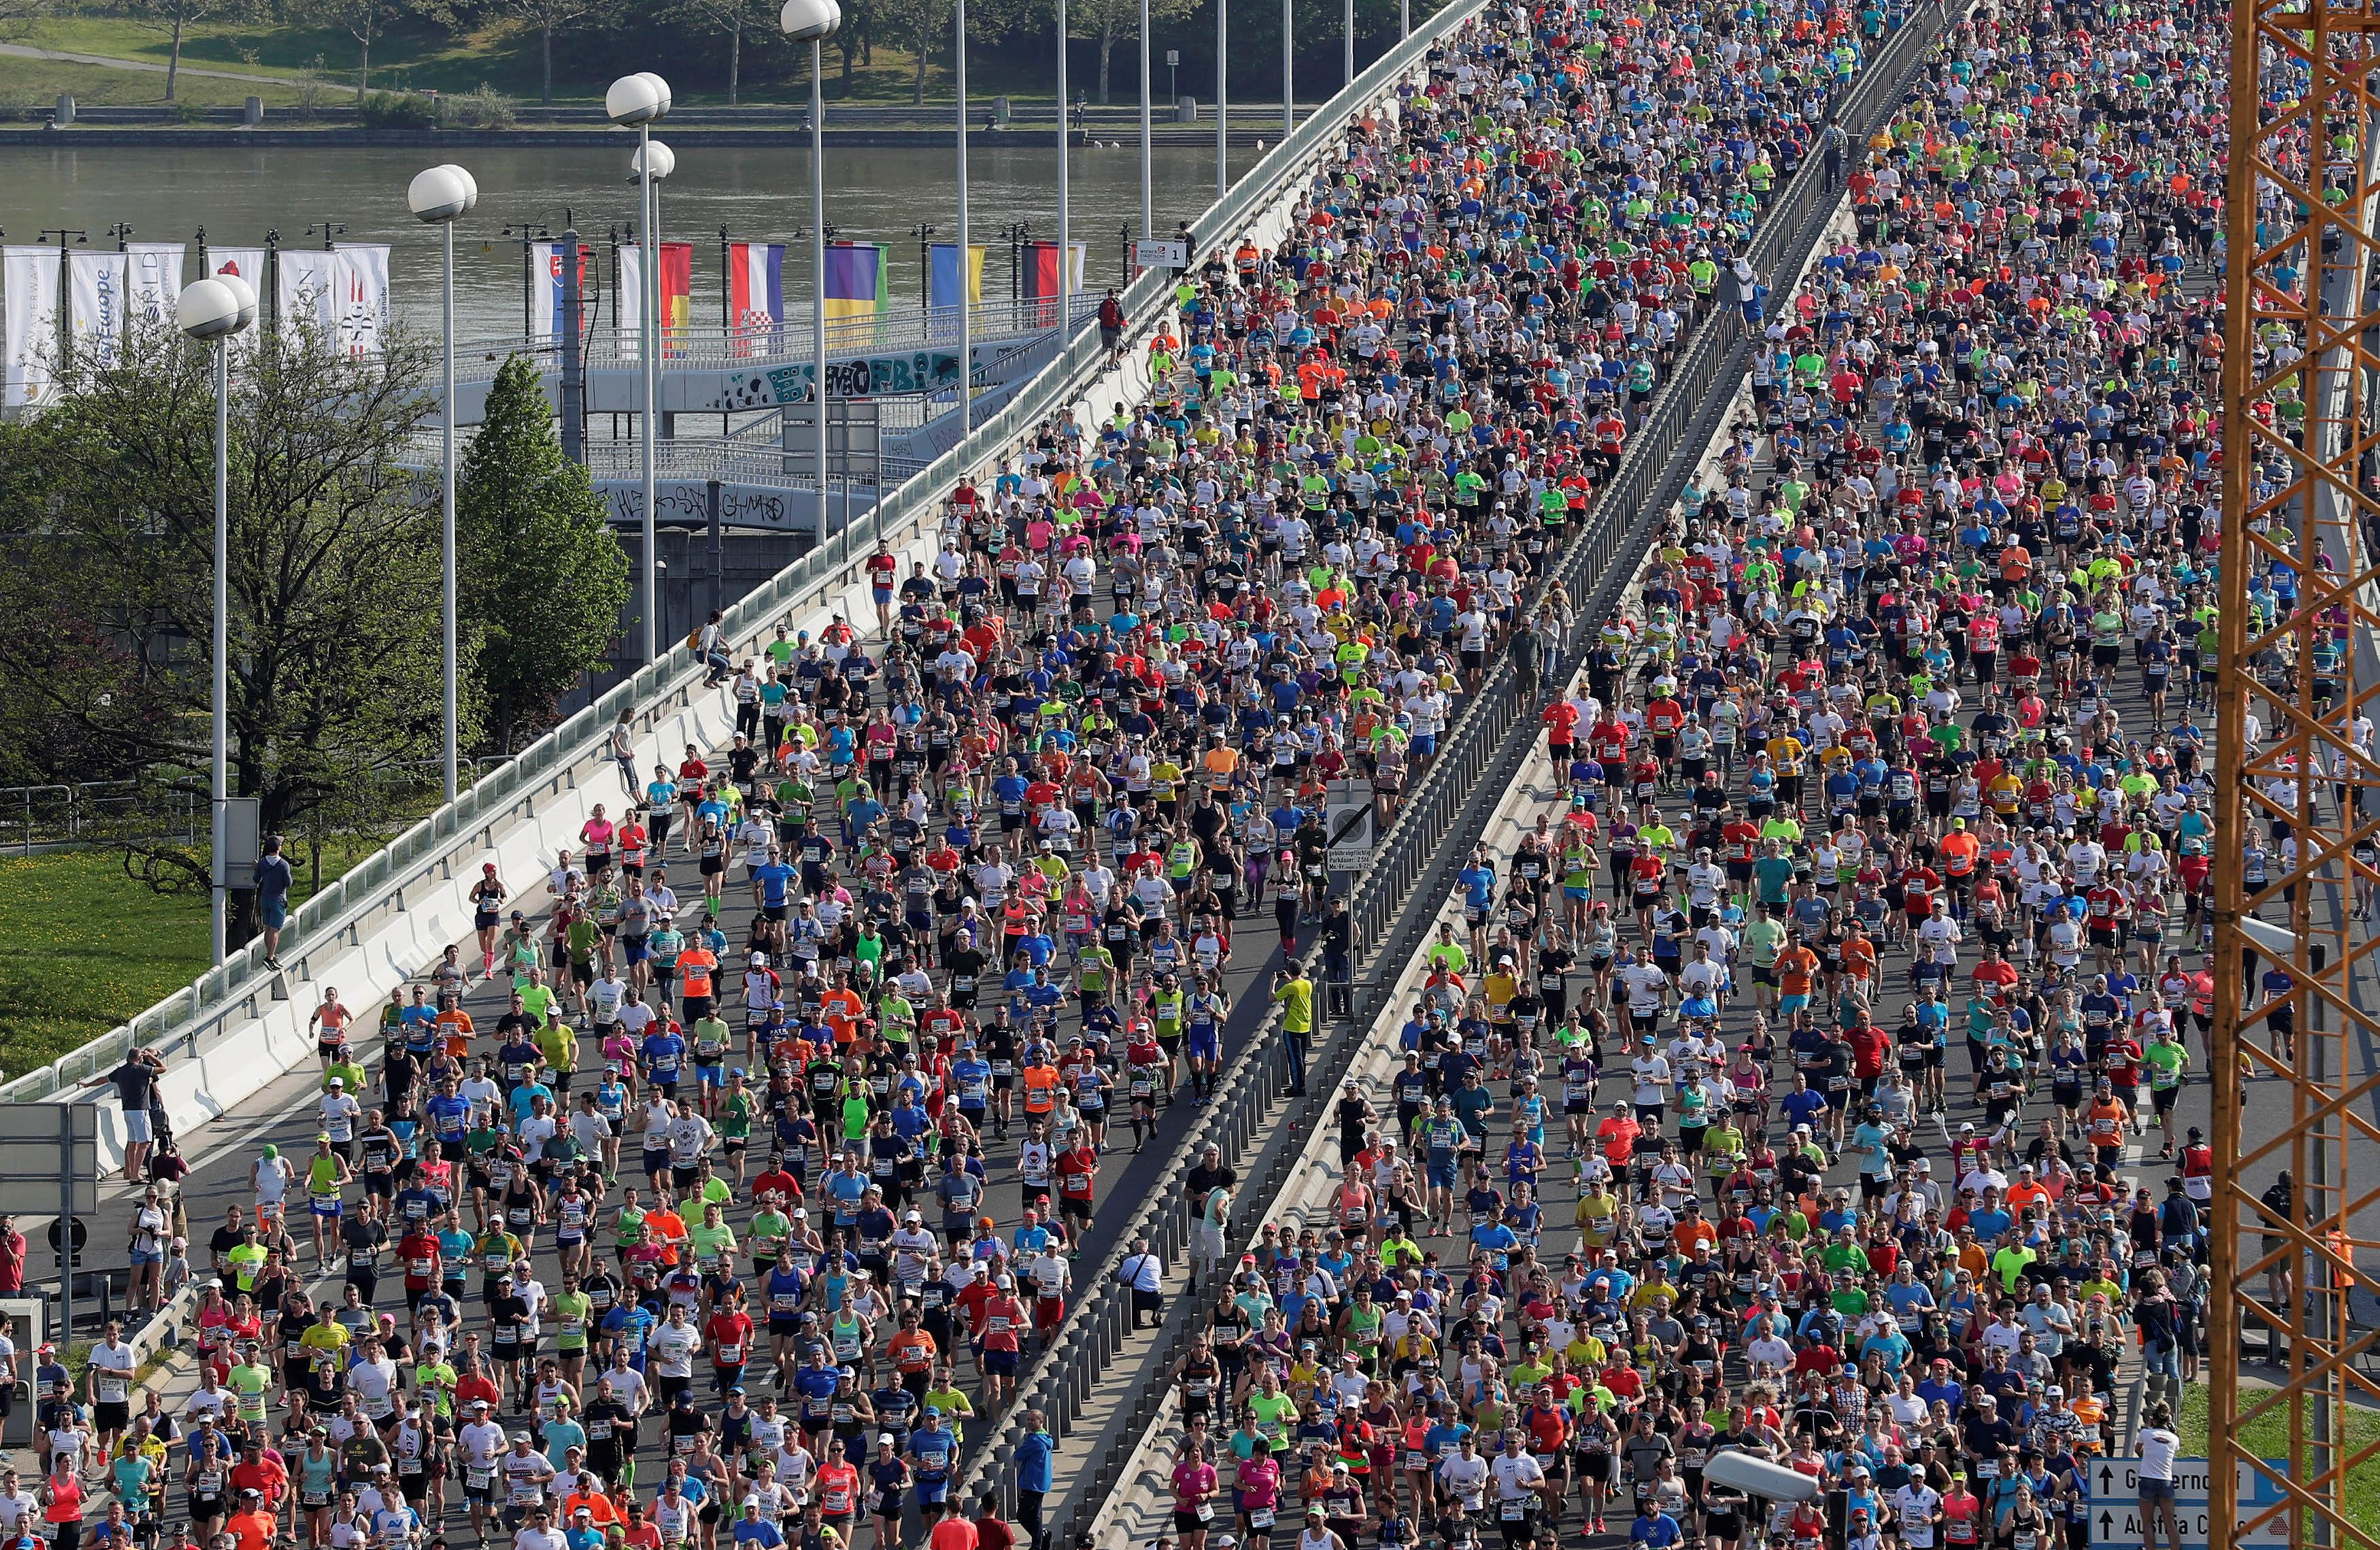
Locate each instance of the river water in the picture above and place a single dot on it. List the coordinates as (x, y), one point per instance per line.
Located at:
(757, 193)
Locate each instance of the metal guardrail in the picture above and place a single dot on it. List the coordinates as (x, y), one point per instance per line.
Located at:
(432, 851)
(86, 811)
(1389, 906)
(1493, 730)
(717, 346)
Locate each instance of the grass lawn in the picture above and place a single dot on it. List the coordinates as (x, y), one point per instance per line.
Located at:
(37, 82)
(2269, 1438)
(83, 947)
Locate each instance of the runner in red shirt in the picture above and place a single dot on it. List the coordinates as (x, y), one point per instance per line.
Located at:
(999, 1329)
(728, 1332)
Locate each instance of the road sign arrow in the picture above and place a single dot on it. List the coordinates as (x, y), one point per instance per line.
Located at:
(2106, 1481)
(2106, 1527)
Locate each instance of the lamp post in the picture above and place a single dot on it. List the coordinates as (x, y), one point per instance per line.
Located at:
(967, 254)
(440, 197)
(211, 311)
(1222, 97)
(1288, 70)
(638, 101)
(1065, 249)
(1349, 24)
(1145, 92)
(924, 232)
(815, 21)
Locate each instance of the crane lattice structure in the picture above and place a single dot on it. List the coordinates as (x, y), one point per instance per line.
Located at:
(2302, 358)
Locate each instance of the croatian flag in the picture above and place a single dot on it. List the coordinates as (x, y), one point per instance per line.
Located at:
(756, 297)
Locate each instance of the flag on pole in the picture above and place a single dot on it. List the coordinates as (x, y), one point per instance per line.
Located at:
(248, 263)
(858, 284)
(677, 297)
(31, 299)
(96, 287)
(305, 281)
(156, 281)
(1040, 273)
(756, 297)
(943, 275)
(546, 317)
(357, 309)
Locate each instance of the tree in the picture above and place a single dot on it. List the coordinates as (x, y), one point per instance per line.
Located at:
(730, 16)
(1108, 21)
(546, 16)
(543, 580)
(105, 616)
(923, 27)
(174, 16)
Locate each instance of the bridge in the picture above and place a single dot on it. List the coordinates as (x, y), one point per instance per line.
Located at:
(892, 386)
(240, 1060)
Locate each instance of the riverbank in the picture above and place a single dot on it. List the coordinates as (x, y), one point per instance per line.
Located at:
(102, 136)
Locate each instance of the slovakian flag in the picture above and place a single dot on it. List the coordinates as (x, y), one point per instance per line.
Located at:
(1039, 279)
(858, 284)
(756, 297)
(546, 317)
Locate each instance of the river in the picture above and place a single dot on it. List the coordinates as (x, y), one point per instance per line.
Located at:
(761, 193)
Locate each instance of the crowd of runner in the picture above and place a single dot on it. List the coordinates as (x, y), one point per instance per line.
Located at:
(1795, 1086)
(1894, 748)
(735, 1192)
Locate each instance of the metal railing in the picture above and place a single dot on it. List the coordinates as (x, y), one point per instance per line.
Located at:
(718, 346)
(1493, 730)
(1389, 906)
(88, 811)
(433, 850)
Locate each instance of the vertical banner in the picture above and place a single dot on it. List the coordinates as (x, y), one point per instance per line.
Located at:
(306, 288)
(358, 299)
(30, 297)
(858, 284)
(156, 281)
(677, 297)
(248, 263)
(546, 319)
(756, 297)
(97, 286)
(942, 286)
(628, 303)
(1041, 276)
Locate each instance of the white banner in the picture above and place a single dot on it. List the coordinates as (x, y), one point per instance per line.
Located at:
(156, 281)
(628, 305)
(306, 279)
(359, 309)
(30, 278)
(248, 263)
(97, 295)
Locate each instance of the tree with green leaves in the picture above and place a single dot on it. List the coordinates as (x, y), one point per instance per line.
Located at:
(106, 612)
(1110, 21)
(543, 580)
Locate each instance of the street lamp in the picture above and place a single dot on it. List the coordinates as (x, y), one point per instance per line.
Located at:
(211, 311)
(1145, 93)
(440, 197)
(966, 253)
(1222, 97)
(1065, 248)
(637, 102)
(814, 21)
(1287, 72)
